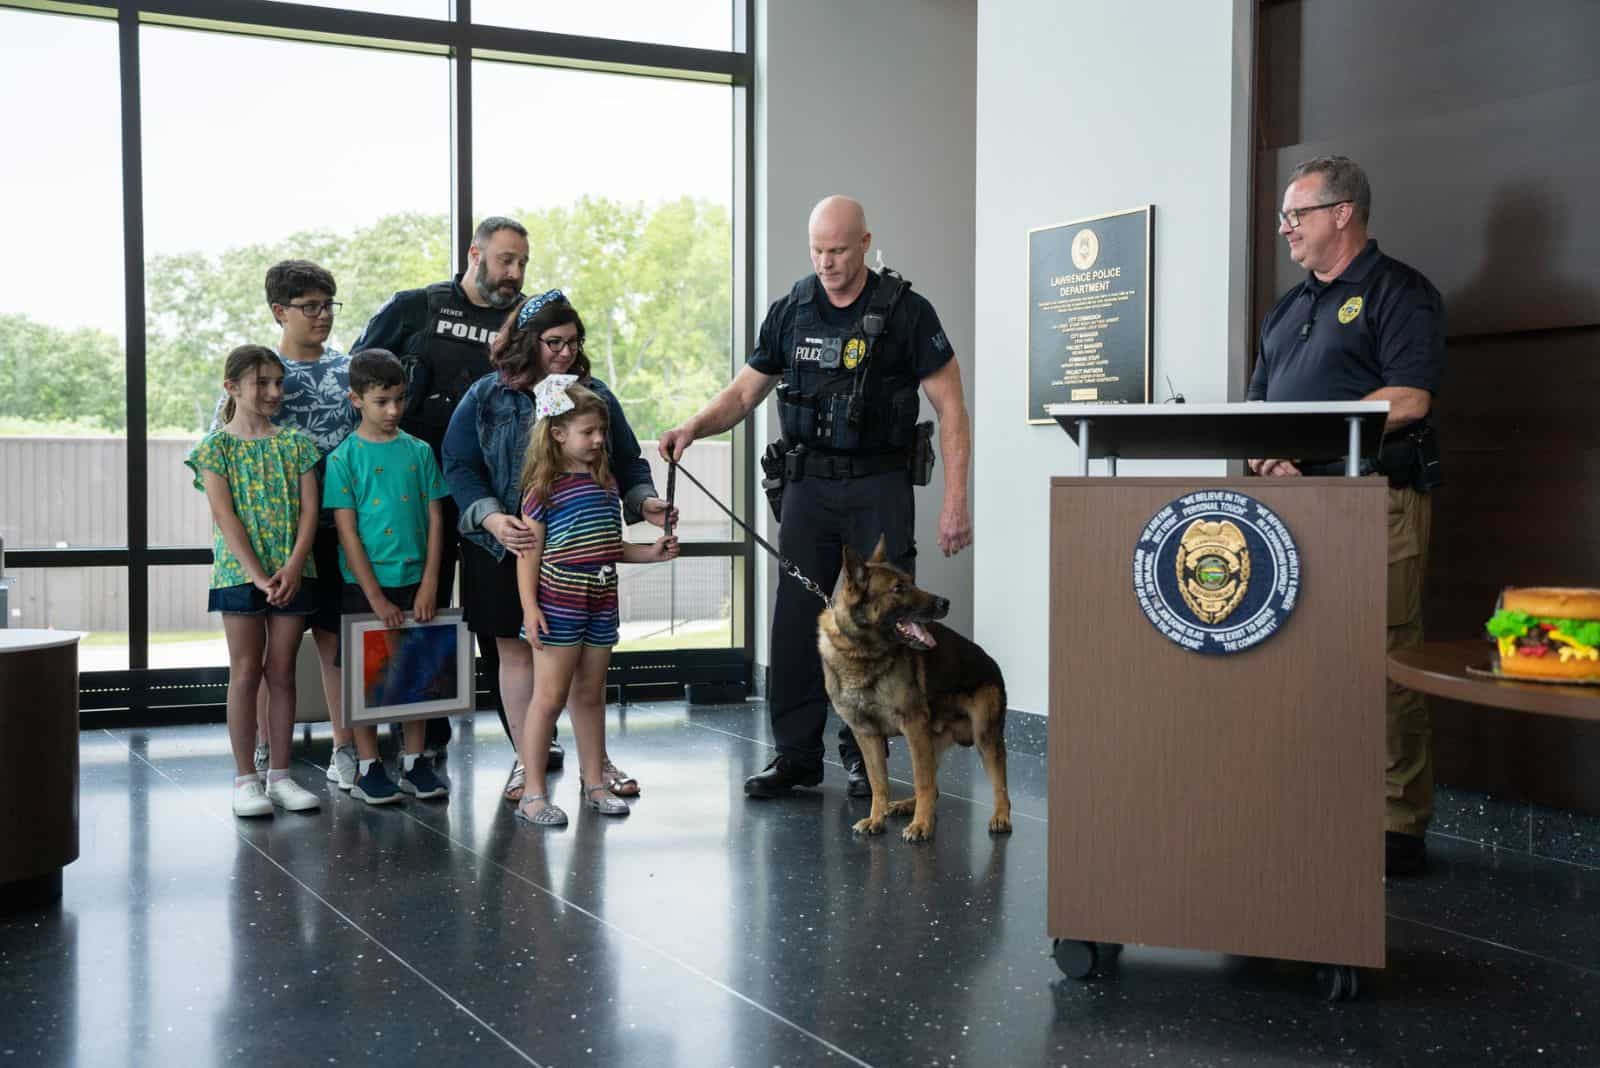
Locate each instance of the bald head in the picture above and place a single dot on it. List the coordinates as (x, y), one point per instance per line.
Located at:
(839, 241)
(839, 212)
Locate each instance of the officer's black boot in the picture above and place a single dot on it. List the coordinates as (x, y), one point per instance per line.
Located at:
(781, 776)
(1404, 854)
(856, 768)
(558, 755)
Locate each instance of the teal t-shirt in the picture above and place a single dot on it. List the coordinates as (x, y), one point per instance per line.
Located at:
(388, 484)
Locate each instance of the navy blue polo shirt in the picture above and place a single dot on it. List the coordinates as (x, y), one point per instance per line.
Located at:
(1380, 323)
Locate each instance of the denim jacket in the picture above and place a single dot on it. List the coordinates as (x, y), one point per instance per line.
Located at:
(488, 439)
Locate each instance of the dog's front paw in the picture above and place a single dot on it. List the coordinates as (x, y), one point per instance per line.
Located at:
(918, 831)
(903, 807)
(1001, 824)
(870, 825)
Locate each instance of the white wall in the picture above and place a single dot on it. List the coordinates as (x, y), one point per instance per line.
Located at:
(877, 101)
(1087, 107)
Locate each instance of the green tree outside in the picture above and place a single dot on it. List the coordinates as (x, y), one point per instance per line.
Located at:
(653, 286)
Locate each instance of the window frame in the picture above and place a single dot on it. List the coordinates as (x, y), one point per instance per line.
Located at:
(143, 696)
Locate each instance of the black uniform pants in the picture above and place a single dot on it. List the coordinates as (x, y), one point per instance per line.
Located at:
(437, 732)
(820, 517)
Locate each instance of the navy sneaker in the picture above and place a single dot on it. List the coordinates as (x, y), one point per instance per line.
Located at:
(421, 782)
(375, 787)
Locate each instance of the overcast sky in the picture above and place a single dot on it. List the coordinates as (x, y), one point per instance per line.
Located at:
(249, 140)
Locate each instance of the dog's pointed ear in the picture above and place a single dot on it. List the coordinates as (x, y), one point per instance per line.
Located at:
(881, 553)
(855, 569)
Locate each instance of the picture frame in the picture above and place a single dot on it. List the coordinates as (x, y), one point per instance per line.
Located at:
(1091, 306)
(414, 671)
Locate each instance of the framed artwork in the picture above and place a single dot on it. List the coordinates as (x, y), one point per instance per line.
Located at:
(412, 671)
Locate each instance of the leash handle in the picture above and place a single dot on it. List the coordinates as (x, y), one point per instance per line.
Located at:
(672, 493)
(788, 566)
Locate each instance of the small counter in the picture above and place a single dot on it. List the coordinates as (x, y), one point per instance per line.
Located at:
(39, 750)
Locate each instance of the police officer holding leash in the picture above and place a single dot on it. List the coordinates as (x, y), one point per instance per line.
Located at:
(847, 350)
(1363, 326)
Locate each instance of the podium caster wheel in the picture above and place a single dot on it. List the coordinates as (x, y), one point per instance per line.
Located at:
(1077, 960)
(1338, 982)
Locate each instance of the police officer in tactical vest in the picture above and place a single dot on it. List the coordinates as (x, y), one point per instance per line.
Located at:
(847, 351)
(442, 335)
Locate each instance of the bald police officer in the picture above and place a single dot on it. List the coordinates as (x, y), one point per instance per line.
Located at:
(847, 349)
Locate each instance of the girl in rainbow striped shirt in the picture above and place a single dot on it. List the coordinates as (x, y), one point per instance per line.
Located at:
(568, 586)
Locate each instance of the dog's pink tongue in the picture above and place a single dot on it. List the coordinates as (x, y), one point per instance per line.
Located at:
(919, 632)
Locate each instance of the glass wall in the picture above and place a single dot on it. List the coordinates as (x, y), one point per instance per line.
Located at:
(63, 411)
(281, 134)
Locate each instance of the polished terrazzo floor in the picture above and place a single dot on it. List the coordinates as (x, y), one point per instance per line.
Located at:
(705, 930)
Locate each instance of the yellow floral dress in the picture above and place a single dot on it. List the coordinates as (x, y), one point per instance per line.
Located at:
(263, 474)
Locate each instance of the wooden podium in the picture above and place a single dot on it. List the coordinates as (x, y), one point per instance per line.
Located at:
(1231, 803)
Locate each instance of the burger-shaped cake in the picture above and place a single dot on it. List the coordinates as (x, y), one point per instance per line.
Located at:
(1546, 632)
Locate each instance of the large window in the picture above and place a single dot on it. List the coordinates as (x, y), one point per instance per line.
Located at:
(341, 137)
(626, 187)
(332, 154)
(63, 413)
(692, 23)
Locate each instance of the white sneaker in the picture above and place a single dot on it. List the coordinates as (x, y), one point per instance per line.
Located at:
(250, 799)
(343, 768)
(291, 795)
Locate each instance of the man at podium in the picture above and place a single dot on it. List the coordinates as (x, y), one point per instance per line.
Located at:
(1364, 326)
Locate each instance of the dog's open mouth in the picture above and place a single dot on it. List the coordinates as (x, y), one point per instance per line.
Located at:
(914, 634)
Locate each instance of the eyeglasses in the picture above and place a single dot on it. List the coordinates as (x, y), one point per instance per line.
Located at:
(558, 345)
(1292, 216)
(313, 309)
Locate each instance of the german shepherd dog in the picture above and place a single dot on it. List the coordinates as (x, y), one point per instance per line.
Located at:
(890, 670)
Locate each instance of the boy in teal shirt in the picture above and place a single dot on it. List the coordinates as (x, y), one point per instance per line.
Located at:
(384, 489)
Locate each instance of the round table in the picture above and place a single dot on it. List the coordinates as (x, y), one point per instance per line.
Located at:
(1440, 668)
(39, 751)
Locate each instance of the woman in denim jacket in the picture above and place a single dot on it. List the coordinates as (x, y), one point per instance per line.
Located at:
(483, 453)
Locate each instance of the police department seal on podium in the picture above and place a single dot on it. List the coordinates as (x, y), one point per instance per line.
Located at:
(1216, 571)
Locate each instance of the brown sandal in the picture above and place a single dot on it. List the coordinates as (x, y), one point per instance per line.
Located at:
(618, 781)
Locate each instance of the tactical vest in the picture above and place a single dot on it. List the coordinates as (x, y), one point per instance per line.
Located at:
(850, 388)
(446, 356)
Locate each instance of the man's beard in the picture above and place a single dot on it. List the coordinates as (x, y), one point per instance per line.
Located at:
(496, 297)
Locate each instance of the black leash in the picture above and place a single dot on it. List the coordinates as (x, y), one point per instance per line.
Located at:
(787, 565)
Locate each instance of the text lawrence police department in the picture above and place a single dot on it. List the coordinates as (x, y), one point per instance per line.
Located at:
(1096, 281)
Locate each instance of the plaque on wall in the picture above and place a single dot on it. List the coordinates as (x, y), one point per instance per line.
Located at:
(1089, 311)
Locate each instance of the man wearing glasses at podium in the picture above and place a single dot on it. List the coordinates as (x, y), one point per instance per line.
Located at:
(1364, 326)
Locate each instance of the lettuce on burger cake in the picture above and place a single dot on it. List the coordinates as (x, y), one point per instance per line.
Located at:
(1548, 633)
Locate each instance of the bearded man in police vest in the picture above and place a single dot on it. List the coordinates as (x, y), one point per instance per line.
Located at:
(442, 335)
(848, 350)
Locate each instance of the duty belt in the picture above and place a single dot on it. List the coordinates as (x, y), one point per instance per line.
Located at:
(808, 464)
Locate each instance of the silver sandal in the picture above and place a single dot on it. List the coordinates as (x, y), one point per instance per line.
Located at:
(517, 780)
(618, 781)
(548, 816)
(605, 804)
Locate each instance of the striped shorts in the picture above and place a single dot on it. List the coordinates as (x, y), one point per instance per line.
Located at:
(579, 602)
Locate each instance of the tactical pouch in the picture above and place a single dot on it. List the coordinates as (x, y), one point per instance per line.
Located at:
(798, 421)
(922, 455)
(903, 427)
(772, 466)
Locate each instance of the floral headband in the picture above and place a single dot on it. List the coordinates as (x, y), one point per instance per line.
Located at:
(533, 304)
(550, 396)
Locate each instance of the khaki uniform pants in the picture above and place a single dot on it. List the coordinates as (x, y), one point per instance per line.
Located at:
(1408, 777)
